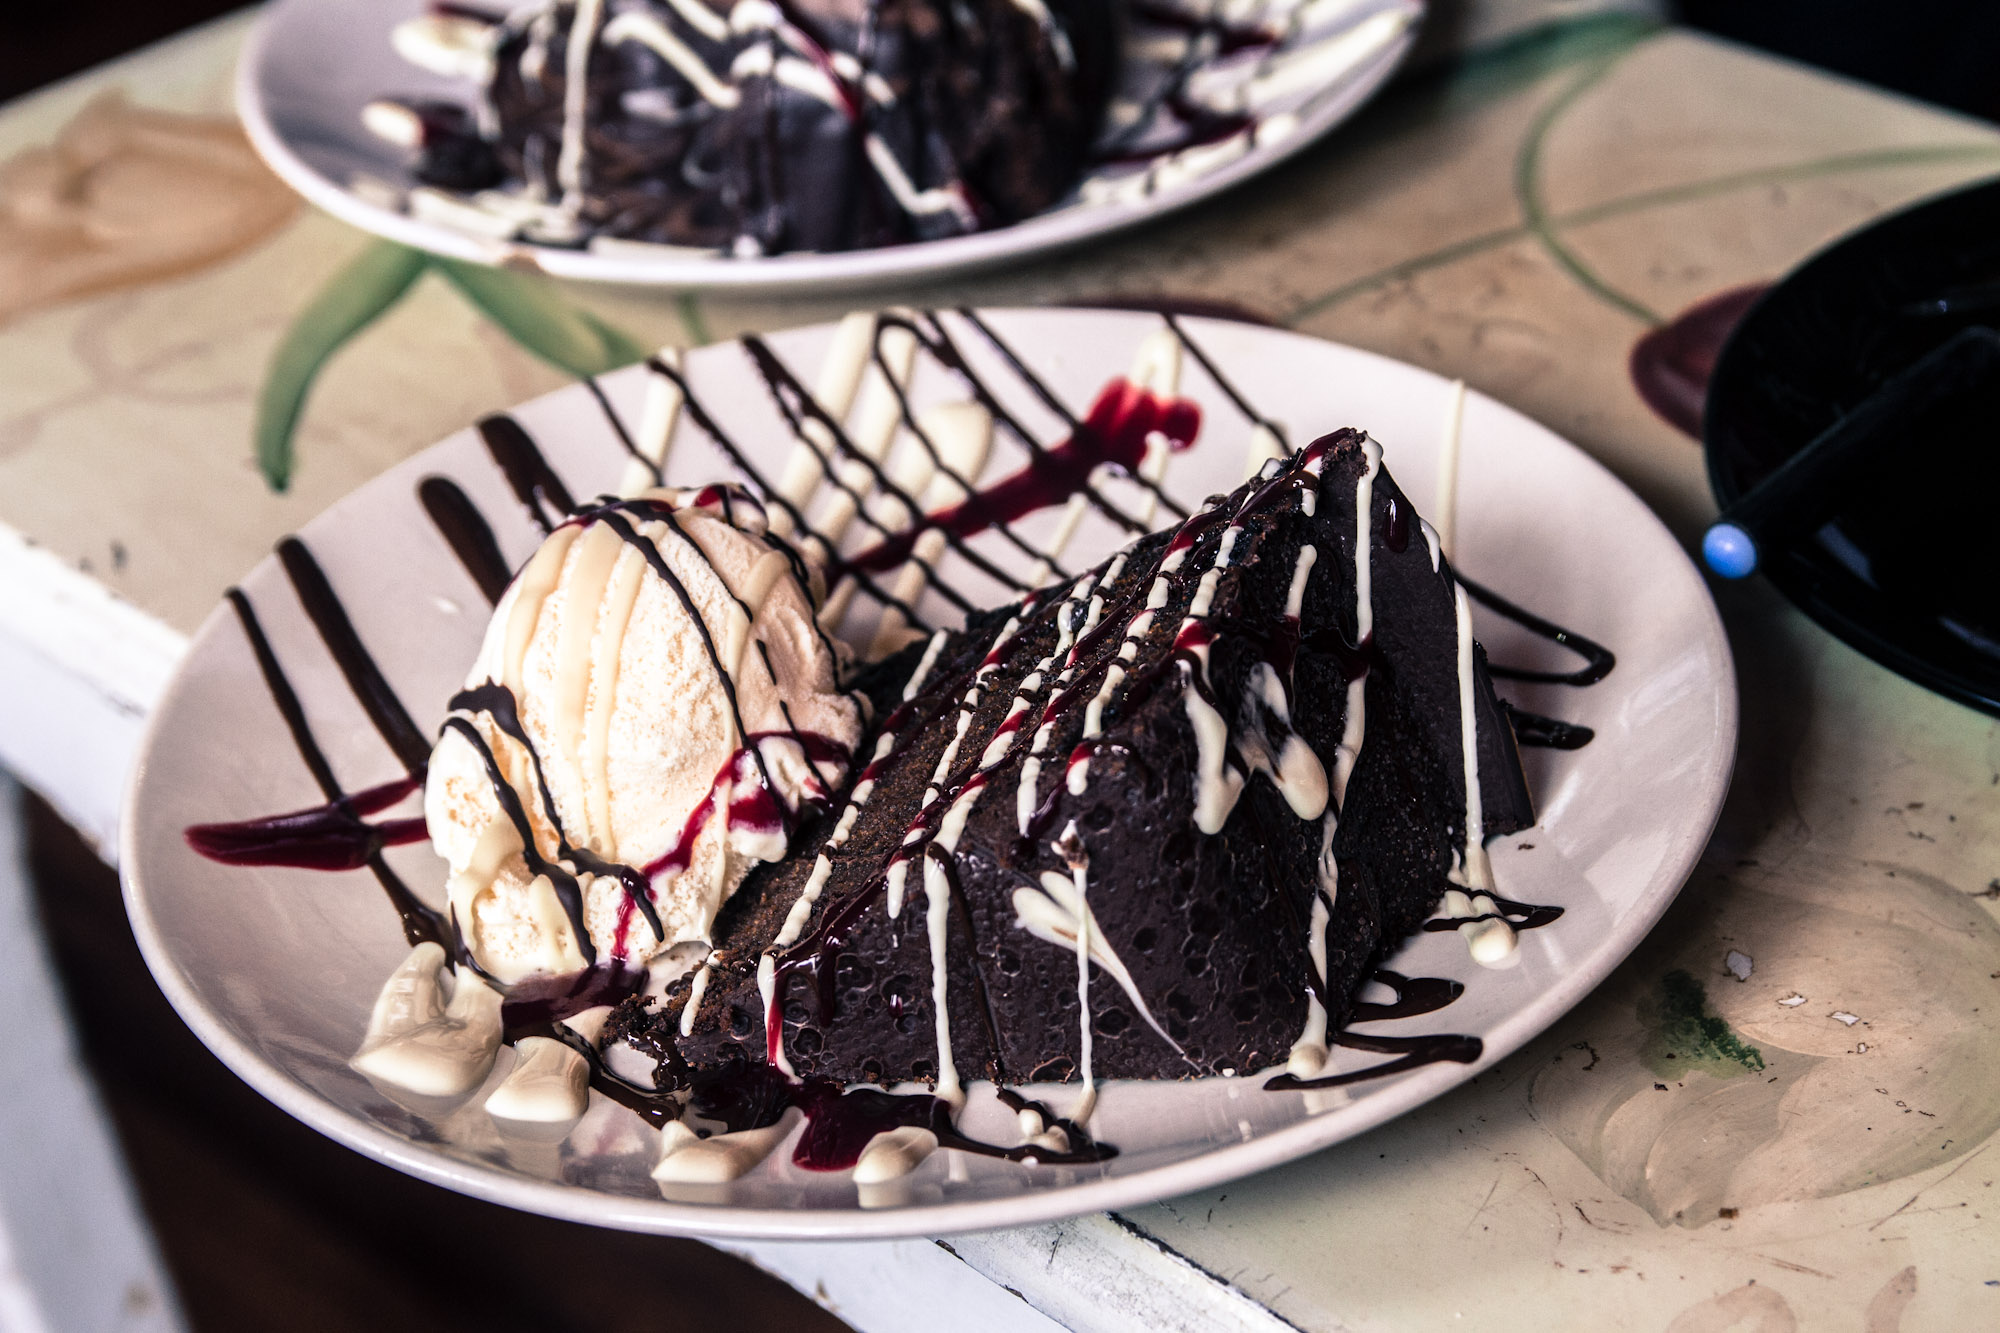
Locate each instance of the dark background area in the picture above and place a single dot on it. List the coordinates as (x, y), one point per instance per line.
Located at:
(1945, 51)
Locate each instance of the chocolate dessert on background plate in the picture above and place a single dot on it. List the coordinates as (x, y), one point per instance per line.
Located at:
(760, 127)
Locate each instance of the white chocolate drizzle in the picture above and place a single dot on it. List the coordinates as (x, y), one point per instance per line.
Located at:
(576, 100)
(1080, 603)
(638, 26)
(893, 1154)
(419, 1042)
(697, 988)
(1492, 941)
(1309, 1052)
(1070, 847)
(937, 882)
(688, 1159)
(447, 45)
(1294, 770)
(969, 704)
(1077, 775)
(1354, 729)
(1055, 913)
(801, 912)
(1445, 514)
(549, 1084)
(937, 920)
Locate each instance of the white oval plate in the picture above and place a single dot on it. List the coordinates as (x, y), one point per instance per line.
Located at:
(312, 65)
(276, 969)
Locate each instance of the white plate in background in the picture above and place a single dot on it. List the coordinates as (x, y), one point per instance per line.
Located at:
(312, 65)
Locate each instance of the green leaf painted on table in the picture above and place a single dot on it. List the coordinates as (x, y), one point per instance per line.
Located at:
(688, 304)
(1529, 192)
(531, 311)
(351, 300)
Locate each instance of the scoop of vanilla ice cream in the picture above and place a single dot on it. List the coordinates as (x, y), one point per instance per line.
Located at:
(625, 698)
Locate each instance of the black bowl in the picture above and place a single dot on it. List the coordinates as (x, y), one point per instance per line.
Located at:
(1908, 571)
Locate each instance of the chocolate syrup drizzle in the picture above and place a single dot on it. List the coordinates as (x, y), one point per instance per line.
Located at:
(1209, 37)
(1546, 732)
(497, 703)
(1597, 659)
(1414, 995)
(1410, 1052)
(468, 534)
(1521, 916)
(420, 922)
(617, 424)
(371, 688)
(527, 471)
(840, 1123)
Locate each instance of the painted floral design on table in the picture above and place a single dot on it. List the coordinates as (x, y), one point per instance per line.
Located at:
(527, 307)
(1794, 1031)
(127, 196)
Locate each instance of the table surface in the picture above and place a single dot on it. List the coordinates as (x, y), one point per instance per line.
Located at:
(1520, 219)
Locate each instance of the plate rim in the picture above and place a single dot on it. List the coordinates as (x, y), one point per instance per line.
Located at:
(1045, 234)
(1215, 1166)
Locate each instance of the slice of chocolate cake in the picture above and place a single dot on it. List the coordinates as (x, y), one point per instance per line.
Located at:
(1228, 768)
(756, 127)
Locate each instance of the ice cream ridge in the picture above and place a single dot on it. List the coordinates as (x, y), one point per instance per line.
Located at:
(652, 712)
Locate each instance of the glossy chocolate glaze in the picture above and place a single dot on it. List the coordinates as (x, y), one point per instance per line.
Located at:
(1597, 659)
(468, 534)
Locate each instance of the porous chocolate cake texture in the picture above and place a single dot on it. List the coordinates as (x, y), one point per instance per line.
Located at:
(1120, 756)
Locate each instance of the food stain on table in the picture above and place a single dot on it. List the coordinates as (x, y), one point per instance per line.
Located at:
(1795, 1062)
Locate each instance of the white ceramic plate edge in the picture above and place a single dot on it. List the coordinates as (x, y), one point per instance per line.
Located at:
(1044, 234)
